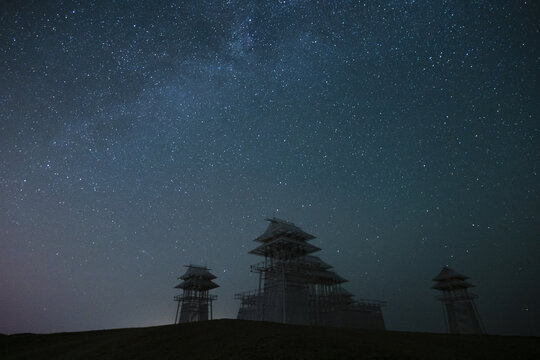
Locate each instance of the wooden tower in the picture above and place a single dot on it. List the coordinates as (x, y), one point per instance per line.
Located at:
(296, 287)
(195, 302)
(461, 315)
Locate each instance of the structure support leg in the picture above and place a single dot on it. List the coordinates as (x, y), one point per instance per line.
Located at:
(176, 320)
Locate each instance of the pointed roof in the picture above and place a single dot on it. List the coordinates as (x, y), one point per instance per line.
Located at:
(197, 284)
(197, 271)
(197, 278)
(279, 227)
(453, 284)
(448, 274)
(448, 279)
(284, 247)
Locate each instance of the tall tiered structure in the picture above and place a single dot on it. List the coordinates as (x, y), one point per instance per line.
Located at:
(296, 287)
(461, 315)
(195, 301)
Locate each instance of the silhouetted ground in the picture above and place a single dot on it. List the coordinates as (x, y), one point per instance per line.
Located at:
(236, 339)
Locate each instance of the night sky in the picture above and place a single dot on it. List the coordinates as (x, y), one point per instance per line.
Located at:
(139, 137)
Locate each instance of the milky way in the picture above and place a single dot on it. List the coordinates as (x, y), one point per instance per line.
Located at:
(138, 138)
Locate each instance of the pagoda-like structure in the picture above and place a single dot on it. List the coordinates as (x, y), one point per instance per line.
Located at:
(461, 315)
(296, 287)
(195, 302)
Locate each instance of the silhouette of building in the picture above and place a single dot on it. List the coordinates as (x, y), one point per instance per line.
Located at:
(195, 301)
(461, 314)
(296, 287)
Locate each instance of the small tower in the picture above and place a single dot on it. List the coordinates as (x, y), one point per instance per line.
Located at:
(461, 315)
(195, 301)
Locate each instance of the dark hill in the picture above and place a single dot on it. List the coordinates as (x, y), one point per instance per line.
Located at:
(236, 339)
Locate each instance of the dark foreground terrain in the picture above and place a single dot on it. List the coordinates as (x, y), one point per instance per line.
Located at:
(236, 339)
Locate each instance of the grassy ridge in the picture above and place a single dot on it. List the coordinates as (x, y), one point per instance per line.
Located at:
(236, 339)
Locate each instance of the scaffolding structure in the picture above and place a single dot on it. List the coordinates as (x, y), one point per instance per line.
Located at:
(195, 302)
(296, 287)
(460, 312)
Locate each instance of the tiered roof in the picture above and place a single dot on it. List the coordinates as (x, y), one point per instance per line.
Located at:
(345, 293)
(197, 271)
(280, 227)
(449, 279)
(197, 278)
(283, 239)
(286, 249)
(317, 271)
(327, 277)
(316, 262)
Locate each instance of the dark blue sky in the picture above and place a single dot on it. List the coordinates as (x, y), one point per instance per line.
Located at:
(137, 137)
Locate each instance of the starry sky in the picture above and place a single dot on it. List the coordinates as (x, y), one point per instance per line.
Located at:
(137, 137)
